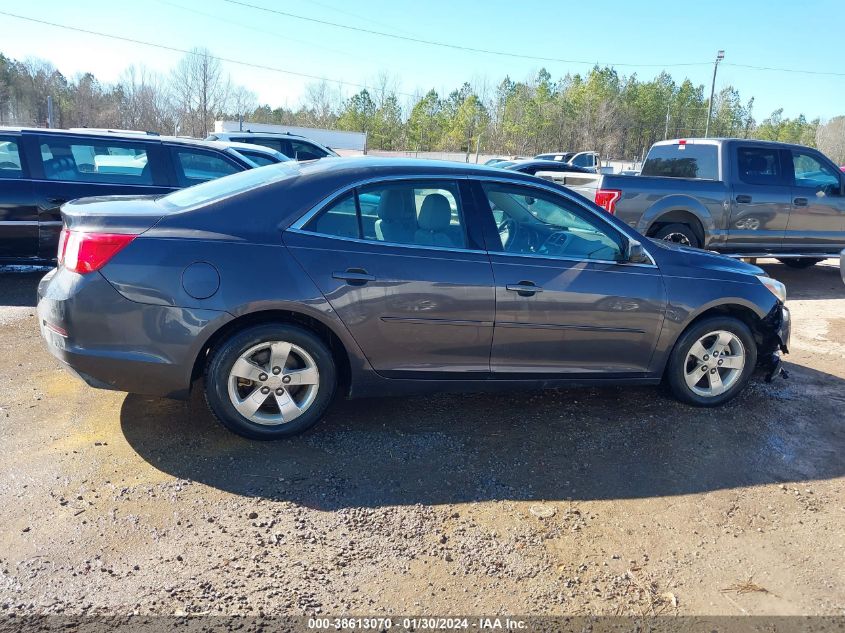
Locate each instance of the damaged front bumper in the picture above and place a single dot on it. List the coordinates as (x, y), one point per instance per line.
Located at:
(776, 331)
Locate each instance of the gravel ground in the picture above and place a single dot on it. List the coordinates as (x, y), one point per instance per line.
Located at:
(605, 501)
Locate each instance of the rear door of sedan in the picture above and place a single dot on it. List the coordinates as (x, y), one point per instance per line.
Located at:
(567, 305)
(406, 274)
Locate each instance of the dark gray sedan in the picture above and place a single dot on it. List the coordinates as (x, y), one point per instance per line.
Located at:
(286, 285)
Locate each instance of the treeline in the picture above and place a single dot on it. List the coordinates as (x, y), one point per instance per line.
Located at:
(619, 116)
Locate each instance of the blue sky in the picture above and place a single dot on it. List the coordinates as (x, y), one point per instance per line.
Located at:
(646, 35)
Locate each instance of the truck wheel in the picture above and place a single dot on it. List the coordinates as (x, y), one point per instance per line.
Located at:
(799, 262)
(679, 234)
(712, 361)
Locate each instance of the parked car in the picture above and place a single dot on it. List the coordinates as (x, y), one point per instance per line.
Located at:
(561, 157)
(545, 166)
(369, 276)
(736, 196)
(291, 145)
(41, 169)
(587, 160)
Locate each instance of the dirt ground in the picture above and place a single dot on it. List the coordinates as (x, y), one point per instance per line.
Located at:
(605, 501)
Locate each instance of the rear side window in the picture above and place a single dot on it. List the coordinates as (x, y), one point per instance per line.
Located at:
(96, 161)
(264, 142)
(415, 213)
(10, 159)
(196, 166)
(683, 161)
(759, 165)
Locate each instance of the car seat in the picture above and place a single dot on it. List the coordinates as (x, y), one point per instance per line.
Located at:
(396, 221)
(434, 222)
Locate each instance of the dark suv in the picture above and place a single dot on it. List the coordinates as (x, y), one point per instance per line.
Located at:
(291, 145)
(41, 169)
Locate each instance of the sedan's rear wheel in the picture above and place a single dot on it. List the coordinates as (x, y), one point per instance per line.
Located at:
(712, 361)
(270, 381)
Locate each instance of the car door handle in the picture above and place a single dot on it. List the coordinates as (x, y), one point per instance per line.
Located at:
(743, 198)
(56, 201)
(354, 276)
(800, 202)
(525, 288)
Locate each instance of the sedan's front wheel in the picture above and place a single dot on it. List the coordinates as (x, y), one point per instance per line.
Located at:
(270, 381)
(712, 361)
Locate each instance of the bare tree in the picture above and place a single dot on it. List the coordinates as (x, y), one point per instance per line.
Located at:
(144, 101)
(200, 91)
(830, 139)
(242, 101)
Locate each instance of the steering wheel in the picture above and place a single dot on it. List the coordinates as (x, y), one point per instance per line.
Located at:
(555, 244)
(507, 232)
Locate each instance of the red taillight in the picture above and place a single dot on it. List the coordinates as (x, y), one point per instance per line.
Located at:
(86, 252)
(607, 198)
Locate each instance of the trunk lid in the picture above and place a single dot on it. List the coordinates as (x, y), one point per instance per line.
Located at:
(112, 214)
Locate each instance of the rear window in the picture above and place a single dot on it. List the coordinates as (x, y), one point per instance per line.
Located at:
(215, 190)
(683, 161)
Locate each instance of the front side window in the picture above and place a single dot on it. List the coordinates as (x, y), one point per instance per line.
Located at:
(420, 213)
(10, 159)
(95, 160)
(194, 167)
(533, 222)
(759, 165)
(810, 173)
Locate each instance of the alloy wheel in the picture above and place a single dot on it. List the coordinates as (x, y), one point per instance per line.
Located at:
(714, 363)
(273, 383)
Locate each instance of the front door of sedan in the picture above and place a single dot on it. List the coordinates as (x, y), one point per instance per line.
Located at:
(817, 219)
(414, 289)
(566, 304)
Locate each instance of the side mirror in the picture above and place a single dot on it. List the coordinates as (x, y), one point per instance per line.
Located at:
(635, 253)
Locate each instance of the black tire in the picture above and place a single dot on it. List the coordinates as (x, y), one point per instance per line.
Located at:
(676, 368)
(223, 357)
(673, 233)
(799, 262)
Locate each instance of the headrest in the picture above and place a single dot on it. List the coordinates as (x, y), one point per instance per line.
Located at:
(391, 206)
(435, 213)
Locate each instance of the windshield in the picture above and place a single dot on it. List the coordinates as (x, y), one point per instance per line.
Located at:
(221, 188)
(260, 159)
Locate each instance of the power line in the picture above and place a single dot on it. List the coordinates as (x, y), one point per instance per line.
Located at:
(459, 47)
(787, 70)
(471, 49)
(176, 49)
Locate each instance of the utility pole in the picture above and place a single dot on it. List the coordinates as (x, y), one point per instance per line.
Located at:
(666, 131)
(719, 57)
(49, 111)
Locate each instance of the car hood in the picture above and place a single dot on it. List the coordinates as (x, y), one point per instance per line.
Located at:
(692, 259)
